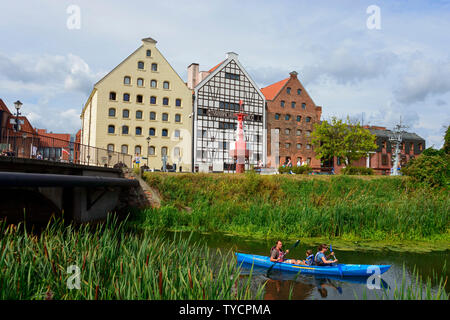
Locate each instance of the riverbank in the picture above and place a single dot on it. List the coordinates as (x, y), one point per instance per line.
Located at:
(372, 212)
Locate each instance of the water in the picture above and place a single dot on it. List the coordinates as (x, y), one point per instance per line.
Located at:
(281, 285)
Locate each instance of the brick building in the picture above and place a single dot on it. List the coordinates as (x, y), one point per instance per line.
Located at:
(291, 115)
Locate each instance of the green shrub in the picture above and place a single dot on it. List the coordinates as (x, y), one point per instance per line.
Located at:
(295, 169)
(430, 170)
(357, 171)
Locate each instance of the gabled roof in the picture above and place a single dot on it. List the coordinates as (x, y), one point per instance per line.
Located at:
(270, 92)
(3, 107)
(214, 68)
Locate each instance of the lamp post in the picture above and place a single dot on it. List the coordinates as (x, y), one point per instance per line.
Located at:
(17, 105)
(148, 148)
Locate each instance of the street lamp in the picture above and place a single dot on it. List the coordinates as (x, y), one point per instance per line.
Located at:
(148, 148)
(17, 105)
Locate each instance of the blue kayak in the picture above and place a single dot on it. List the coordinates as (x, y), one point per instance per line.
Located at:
(341, 270)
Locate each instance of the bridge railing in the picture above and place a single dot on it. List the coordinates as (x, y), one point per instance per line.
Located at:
(33, 145)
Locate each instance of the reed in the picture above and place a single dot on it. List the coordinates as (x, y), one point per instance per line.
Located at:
(115, 262)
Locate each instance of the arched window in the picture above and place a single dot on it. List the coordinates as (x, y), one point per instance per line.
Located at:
(152, 115)
(282, 103)
(154, 67)
(112, 112)
(140, 82)
(138, 131)
(277, 116)
(141, 65)
(308, 146)
(293, 104)
(165, 132)
(110, 147)
(177, 133)
(287, 131)
(125, 113)
(299, 118)
(126, 80)
(288, 90)
(149, 53)
(112, 96)
(152, 100)
(176, 152)
(126, 97)
(165, 101)
(151, 150)
(299, 91)
(153, 83)
(308, 133)
(138, 114)
(287, 117)
(124, 129)
(303, 105)
(151, 132)
(308, 119)
(165, 117)
(178, 102)
(139, 98)
(178, 117)
(299, 132)
(299, 145)
(166, 84)
(111, 128)
(124, 148)
(137, 149)
(164, 151)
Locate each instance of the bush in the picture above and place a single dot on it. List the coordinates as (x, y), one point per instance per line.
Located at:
(431, 170)
(357, 171)
(295, 169)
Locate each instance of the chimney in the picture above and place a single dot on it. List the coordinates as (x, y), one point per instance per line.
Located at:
(293, 74)
(193, 75)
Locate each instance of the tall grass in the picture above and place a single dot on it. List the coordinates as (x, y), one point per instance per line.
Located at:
(347, 207)
(114, 263)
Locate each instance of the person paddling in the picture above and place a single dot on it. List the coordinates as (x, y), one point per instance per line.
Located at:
(320, 259)
(277, 254)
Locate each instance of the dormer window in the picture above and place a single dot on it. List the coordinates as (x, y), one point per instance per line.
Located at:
(149, 53)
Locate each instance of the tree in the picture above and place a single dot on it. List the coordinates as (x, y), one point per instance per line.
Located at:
(447, 141)
(348, 140)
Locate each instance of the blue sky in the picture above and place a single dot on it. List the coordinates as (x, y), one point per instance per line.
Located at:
(402, 69)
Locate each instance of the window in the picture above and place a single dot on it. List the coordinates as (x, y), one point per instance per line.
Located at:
(124, 129)
(164, 151)
(141, 65)
(154, 67)
(149, 53)
(288, 90)
(151, 151)
(299, 132)
(153, 83)
(308, 146)
(277, 130)
(126, 97)
(151, 132)
(308, 161)
(112, 112)
(384, 159)
(152, 115)
(287, 131)
(165, 117)
(166, 84)
(138, 131)
(338, 161)
(287, 145)
(293, 104)
(165, 132)
(231, 76)
(165, 101)
(152, 100)
(112, 96)
(139, 114)
(140, 82)
(308, 133)
(139, 98)
(110, 147)
(303, 105)
(177, 133)
(137, 149)
(178, 117)
(287, 117)
(126, 80)
(176, 152)
(178, 102)
(111, 129)
(299, 146)
(299, 118)
(125, 113)
(124, 148)
(308, 119)
(299, 91)
(277, 116)
(282, 103)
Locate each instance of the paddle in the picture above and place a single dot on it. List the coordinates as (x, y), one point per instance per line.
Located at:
(292, 247)
(338, 265)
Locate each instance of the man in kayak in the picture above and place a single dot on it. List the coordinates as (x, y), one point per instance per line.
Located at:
(277, 254)
(320, 259)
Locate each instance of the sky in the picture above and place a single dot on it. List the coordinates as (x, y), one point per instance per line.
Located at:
(352, 61)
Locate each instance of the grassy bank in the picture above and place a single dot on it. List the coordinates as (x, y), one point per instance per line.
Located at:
(114, 264)
(343, 208)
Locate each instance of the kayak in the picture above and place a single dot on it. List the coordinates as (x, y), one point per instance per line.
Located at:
(341, 269)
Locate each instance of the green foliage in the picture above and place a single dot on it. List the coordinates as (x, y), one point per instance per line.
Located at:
(342, 139)
(357, 171)
(429, 170)
(447, 141)
(305, 169)
(377, 208)
(433, 152)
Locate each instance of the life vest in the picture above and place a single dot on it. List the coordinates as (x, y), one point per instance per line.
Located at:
(317, 261)
(281, 253)
(310, 260)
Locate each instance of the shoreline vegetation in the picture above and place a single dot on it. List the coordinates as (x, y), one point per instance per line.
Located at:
(374, 212)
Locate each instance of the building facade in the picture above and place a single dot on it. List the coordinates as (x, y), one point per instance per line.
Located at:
(291, 115)
(142, 107)
(217, 94)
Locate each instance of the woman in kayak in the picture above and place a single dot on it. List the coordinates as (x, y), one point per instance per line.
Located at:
(277, 254)
(320, 259)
